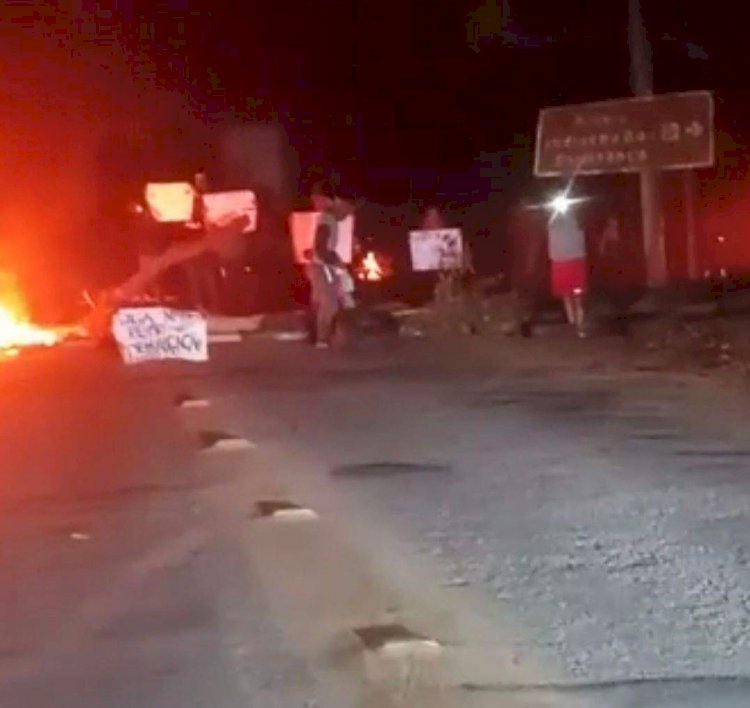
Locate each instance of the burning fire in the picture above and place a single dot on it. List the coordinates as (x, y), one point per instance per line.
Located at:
(370, 268)
(16, 330)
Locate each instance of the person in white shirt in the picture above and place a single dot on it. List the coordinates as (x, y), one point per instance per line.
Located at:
(567, 253)
(330, 282)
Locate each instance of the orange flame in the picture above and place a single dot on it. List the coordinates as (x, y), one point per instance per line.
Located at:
(370, 269)
(16, 330)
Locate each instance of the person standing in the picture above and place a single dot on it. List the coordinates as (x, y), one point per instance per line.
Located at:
(567, 253)
(326, 272)
(445, 289)
(432, 218)
(527, 264)
(152, 240)
(615, 268)
(201, 271)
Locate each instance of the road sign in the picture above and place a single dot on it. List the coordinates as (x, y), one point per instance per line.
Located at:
(667, 132)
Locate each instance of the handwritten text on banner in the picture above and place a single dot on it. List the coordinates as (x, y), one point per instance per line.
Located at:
(155, 333)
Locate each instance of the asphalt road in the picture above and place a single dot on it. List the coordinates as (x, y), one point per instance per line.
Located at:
(570, 536)
(118, 588)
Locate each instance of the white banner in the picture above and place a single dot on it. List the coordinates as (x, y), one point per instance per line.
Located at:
(303, 225)
(170, 202)
(436, 249)
(222, 207)
(155, 333)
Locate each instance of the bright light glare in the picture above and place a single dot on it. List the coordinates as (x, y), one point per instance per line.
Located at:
(561, 203)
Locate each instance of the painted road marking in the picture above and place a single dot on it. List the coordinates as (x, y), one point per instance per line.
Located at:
(395, 640)
(224, 337)
(280, 510)
(211, 441)
(186, 401)
(79, 536)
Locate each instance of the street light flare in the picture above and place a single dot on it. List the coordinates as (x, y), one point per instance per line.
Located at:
(561, 203)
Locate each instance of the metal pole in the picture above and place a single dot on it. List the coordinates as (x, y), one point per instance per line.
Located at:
(691, 231)
(652, 214)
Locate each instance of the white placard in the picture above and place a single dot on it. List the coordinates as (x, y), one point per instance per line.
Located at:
(222, 207)
(303, 225)
(170, 202)
(155, 333)
(436, 249)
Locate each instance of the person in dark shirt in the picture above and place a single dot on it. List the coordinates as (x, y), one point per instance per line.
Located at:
(152, 239)
(528, 266)
(201, 272)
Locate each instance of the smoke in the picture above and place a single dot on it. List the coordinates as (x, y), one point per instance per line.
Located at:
(68, 85)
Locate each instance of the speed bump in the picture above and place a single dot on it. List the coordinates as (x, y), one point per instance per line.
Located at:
(187, 402)
(211, 441)
(395, 640)
(281, 510)
(224, 337)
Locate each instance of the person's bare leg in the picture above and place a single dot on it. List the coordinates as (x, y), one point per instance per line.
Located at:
(579, 310)
(327, 303)
(570, 313)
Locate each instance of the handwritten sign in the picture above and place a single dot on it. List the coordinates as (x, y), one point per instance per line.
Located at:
(222, 207)
(170, 202)
(156, 333)
(303, 224)
(436, 249)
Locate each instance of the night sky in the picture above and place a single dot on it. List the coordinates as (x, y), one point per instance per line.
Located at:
(398, 83)
(383, 92)
(404, 81)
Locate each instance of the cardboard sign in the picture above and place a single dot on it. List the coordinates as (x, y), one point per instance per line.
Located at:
(170, 202)
(156, 333)
(436, 249)
(222, 207)
(302, 225)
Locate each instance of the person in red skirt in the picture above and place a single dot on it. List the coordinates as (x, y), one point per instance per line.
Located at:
(569, 267)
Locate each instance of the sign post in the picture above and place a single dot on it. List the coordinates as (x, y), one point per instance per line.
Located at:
(652, 207)
(667, 132)
(645, 135)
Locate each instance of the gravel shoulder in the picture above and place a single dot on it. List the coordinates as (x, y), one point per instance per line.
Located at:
(601, 510)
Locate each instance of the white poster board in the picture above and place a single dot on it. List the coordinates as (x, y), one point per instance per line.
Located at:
(170, 202)
(303, 224)
(436, 249)
(222, 207)
(156, 333)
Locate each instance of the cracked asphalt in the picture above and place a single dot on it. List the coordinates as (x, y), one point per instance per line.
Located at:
(603, 512)
(593, 517)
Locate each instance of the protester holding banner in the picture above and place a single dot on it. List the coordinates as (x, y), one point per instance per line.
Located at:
(330, 282)
(447, 284)
(202, 271)
(432, 219)
(151, 239)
